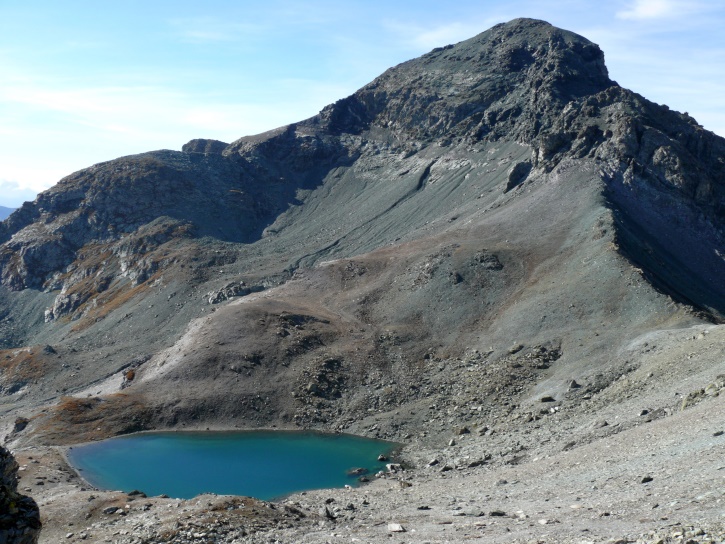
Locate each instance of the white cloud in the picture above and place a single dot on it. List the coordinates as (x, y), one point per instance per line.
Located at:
(152, 113)
(141, 112)
(77, 124)
(13, 194)
(422, 38)
(656, 9)
(214, 29)
(84, 102)
(445, 34)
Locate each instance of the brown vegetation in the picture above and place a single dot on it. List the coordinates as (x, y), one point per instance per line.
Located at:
(21, 366)
(75, 419)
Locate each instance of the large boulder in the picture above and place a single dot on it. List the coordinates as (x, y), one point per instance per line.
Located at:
(201, 145)
(19, 515)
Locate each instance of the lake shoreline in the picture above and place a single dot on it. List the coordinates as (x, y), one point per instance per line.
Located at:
(294, 461)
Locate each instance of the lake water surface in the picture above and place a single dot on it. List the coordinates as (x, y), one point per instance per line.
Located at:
(262, 464)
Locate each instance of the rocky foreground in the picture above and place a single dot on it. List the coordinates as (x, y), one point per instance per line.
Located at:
(640, 462)
(19, 514)
(493, 254)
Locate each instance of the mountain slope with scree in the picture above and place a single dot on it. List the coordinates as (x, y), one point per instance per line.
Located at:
(492, 253)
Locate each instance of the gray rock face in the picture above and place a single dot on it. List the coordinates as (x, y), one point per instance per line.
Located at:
(112, 200)
(204, 146)
(511, 80)
(233, 289)
(19, 515)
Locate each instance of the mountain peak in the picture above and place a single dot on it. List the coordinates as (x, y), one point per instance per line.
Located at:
(525, 69)
(540, 48)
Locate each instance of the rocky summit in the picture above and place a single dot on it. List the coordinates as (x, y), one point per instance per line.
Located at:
(493, 254)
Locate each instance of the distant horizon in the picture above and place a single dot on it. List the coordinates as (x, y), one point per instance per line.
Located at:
(5, 212)
(85, 86)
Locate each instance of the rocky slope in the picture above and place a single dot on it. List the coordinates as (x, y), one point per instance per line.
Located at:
(490, 242)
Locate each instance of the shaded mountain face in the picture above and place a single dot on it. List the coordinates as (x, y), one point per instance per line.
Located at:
(20, 514)
(497, 192)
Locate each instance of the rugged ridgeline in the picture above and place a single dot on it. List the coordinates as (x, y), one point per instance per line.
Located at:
(495, 193)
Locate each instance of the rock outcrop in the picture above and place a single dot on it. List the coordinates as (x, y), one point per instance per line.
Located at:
(204, 146)
(19, 515)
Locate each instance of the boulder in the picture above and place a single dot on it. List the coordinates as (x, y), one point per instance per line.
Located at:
(19, 515)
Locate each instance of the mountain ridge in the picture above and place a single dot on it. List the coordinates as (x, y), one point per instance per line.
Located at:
(487, 111)
(492, 224)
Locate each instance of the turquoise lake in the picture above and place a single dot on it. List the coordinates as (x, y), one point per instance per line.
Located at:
(264, 464)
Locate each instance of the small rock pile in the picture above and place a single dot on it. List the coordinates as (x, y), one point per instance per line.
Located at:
(19, 515)
(688, 534)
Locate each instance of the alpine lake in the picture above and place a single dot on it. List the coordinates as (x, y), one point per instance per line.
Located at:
(261, 464)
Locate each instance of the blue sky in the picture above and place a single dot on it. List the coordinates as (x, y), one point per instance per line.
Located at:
(88, 81)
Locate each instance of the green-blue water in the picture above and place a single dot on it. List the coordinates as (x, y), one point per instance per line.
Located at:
(265, 464)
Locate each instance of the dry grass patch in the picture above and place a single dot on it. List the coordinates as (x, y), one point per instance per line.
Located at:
(19, 367)
(75, 419)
